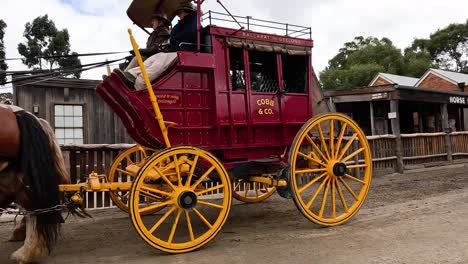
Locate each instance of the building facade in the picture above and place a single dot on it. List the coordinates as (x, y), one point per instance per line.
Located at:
(72, 107)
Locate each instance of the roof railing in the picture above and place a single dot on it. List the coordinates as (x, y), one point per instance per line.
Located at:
(250, 23)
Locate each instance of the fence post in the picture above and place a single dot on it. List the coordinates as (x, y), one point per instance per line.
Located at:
(396, 131)
(446, 129)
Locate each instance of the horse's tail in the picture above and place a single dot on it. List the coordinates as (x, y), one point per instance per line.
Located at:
(41, 175)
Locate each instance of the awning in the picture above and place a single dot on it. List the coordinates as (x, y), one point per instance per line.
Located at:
(267, 46)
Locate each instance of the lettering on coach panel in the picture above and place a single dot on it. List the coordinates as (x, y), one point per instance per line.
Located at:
(266, 106)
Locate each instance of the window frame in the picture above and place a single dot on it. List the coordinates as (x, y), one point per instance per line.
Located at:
(84, 121)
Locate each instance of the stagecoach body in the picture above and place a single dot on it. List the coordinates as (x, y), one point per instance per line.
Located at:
(234, 117)
(199, 94)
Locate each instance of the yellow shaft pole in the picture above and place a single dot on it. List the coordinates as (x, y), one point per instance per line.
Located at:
(153, 98)
(108, 69)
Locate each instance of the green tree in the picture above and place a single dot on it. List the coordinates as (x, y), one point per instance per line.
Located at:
(3, 65)
(357, 63)
(417, 62)
(448, 47)
(43, 39)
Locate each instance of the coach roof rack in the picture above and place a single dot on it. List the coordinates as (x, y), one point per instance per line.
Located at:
(250, 23)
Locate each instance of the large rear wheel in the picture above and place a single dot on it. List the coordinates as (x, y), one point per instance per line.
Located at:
(330, 169)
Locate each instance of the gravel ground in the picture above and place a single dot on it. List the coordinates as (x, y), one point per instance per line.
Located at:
(416, 217)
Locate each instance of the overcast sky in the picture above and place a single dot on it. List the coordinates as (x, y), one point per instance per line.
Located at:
(100, 25)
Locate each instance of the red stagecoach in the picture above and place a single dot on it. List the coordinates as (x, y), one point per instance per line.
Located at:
(233, 118)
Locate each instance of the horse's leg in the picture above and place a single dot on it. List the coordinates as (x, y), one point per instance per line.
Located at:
(19, 234)
(34, 248)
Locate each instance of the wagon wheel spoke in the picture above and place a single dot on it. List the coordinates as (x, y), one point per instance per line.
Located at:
(163, 176)
(192, 170)
(346, 147)
(324, 198)
(352, 155)
(355, 179)
(333, 201)
(357, 166)
(342, 198)
(322, 140)
(156, 206)
(207, 223)
(311, 159)
(214, 188)
(174, 226)
(349, 189)
(316, 148)
(189, 225)
(316, 193)
(165, 216)
(303, 188)
(256, 189)
(340, 139)
(247, 189)
(202, 178)
(177, 169)
(211, 204)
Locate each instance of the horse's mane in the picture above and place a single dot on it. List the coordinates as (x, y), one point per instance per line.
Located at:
(56, 152)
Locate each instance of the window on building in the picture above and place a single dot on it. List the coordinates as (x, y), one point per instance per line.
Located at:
(236, 57)
(263, 72)
(68, 123)
(294, 73)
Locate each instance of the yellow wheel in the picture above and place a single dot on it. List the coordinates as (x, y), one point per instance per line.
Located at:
(330, 169)
(251, 192)
(117, 173)
(198, 196)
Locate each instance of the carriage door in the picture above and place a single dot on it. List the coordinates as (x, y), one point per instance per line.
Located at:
(264, 96)
(296, 93)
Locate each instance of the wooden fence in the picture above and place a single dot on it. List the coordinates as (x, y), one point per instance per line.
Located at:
(418, 150)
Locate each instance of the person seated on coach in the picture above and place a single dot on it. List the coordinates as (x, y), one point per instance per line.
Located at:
(183, 37)
(184, 33)
(156, 40)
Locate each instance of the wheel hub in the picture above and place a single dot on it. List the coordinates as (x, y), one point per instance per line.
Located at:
(339, 169)
(187, 200)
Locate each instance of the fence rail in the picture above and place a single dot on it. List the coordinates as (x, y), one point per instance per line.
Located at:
(419, 150)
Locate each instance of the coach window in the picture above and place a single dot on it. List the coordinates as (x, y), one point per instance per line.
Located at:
(237, 71)
(263, 72)
(294, 73)
(68, 123)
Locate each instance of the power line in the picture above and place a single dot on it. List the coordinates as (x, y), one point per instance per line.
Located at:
(62, 72)
(70, 55)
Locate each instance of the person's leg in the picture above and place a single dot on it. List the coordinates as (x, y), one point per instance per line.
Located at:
(134, 63)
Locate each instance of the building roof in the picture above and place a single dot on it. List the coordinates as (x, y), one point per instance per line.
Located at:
(395, 79)
(453, 77)
(55, 83)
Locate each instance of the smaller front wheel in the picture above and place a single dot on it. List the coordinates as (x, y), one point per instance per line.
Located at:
(196, 199)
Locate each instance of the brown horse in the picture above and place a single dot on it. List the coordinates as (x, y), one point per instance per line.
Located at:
(31, 168)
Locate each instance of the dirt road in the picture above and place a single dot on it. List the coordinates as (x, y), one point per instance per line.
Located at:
(416, 217)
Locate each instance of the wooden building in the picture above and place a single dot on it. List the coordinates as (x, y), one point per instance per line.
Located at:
(383, 109)
(77, 114)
